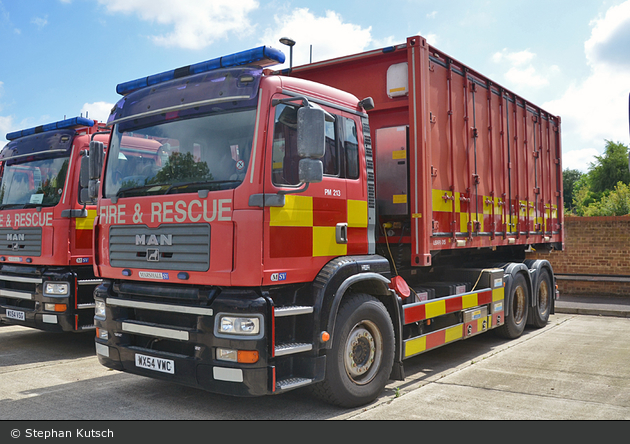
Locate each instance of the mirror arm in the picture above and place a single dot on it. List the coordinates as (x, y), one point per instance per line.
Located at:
(303, 185)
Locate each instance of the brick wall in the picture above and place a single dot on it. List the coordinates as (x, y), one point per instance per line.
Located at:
(596, 254)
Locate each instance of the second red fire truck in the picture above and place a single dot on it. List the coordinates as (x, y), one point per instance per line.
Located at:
(46, 266)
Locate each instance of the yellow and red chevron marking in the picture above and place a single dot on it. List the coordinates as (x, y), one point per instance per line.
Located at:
(427, 310)
(305, 227)
(438, 338)
(84, 228)
(433, 340)
(438, 307)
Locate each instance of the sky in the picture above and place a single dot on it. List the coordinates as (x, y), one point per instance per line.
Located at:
(64, 58)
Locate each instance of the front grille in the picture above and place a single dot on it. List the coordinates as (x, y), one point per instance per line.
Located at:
(167, 247)
(21, 242)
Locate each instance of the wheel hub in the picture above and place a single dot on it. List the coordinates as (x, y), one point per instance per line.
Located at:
(363, 352)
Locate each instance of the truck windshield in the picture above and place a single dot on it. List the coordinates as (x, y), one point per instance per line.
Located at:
(208, 152)
(33, 183)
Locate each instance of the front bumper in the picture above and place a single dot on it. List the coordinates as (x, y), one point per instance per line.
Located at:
(175, 340)
(22, 301)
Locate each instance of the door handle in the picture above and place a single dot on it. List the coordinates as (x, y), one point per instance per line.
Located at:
(341, 231)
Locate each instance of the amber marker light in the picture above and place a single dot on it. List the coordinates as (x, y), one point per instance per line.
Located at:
(247, 356)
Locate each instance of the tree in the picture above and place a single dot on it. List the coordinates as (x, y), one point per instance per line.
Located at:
(610, 168)
(602, 190)
(614, 203)
(182, 168)
(569, 179)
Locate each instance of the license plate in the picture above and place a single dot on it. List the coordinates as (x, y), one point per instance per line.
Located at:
(14, 314)
(157, 364)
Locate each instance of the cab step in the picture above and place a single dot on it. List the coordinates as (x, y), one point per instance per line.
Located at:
(292, 383)
(289, 349)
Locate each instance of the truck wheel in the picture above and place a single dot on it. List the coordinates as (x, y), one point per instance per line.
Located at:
(516, 305)
(540, 314)
(361, 359)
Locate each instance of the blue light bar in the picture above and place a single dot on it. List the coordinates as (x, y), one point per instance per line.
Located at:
(62, 124)
(262, 56)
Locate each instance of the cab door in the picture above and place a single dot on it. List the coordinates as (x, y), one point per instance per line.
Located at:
(312, 226)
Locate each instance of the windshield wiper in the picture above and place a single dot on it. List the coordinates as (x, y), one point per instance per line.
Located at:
(209, 182)
(123, 191)
(34, 205)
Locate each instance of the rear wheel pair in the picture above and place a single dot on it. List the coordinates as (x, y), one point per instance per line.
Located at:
(518, 311)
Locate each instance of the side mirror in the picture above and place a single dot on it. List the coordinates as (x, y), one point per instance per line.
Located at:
(84, 179)
(311, 143)
(97, 149)
(84, 173)
(311, 170)
(95, 167)
(311, 132)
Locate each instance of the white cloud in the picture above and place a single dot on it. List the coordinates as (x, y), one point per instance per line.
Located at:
(432, 15)
(579, 159)
(40, 22)
(522, 73)
(97, 110)
(515, 58)
(610, 37)
(431, 38)
(596, 109)
(329, 36)
(525, 77)
(195, 23)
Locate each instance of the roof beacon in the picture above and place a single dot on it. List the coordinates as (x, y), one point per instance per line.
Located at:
(74, 122)
(262, 56)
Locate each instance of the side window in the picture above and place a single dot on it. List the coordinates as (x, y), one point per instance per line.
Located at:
(330, 159)
(285, 159)
(351, 148)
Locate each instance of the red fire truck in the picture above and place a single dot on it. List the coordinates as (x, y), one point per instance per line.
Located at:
(320, 225)
(46, 266)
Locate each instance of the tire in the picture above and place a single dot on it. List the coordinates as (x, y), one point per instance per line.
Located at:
(361, 359)
(539, 314)
(516, 305)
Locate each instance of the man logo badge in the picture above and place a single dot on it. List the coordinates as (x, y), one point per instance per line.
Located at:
(153, 255)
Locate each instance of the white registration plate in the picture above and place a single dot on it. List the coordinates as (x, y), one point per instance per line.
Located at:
(14, 314)
(157, 364)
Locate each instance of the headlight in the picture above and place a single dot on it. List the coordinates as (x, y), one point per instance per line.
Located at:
(99, 308)
(56, 288)
(236, 325)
